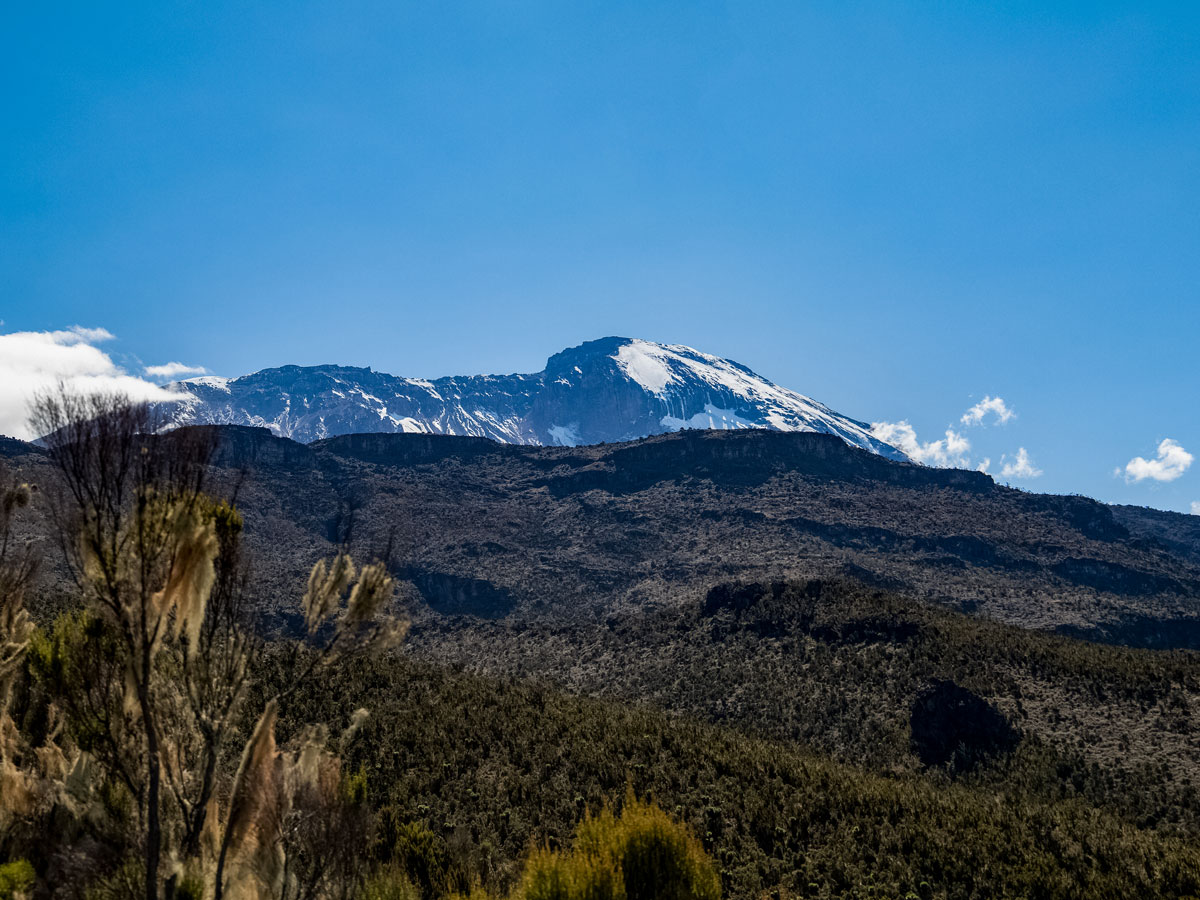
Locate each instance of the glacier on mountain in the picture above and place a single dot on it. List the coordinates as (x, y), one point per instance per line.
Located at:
(612, 389)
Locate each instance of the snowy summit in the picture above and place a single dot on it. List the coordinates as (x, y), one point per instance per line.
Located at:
(612, 389)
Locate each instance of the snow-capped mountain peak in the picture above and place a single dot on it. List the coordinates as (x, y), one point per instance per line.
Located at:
(612, 389)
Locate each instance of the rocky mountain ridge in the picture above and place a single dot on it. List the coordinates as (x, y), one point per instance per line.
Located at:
(604, 391)
(511, 532)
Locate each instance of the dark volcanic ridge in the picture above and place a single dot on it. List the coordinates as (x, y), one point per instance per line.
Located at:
(512, 533)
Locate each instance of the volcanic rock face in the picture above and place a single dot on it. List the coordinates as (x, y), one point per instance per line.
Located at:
(613, 389)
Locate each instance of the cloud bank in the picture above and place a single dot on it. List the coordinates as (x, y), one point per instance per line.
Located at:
(1171, 462)
(35, 361)
(988, 406)
(1196, 507)
(950, 451)
(175, 370)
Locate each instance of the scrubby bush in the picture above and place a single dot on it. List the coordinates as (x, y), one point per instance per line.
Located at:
(641, 855)
(389, 883)
(16, 880)
(415, 850)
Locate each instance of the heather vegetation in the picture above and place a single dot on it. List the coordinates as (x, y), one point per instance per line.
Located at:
(854, 671)
(816, 738)
(487, 766)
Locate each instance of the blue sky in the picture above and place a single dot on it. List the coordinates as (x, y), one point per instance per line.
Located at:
(899, 209)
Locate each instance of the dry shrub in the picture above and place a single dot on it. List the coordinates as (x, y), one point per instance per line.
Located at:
(297, 825)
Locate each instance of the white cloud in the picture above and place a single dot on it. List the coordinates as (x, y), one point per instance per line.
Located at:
(33, 361)
(953, 450)
(1171, 462)
(950, 451)
(1021, 466)
(86, 335)
(994, 405)
(1196, 507)
(174, 370)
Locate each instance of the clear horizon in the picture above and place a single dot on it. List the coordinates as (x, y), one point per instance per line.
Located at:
(902, 212)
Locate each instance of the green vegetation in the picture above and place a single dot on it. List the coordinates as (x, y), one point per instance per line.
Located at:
(390, 883)
(640, 855)
(488, 767)
(840, 667)
(16, 879)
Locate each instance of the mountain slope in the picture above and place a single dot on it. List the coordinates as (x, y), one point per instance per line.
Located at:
(496, 530)
(604, 391)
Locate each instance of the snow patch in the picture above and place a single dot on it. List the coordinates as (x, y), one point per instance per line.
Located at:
(713, 417)
(409, 425)
(673, 372)
(646, 364)
(212, 381)
(565, 435)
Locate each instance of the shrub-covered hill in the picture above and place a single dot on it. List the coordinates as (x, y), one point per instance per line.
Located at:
(492, 767)
(859, 673)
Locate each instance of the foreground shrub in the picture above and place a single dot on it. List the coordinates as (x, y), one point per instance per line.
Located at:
(390, 883)
(16, 880)
(641, 855)
(415, 849)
